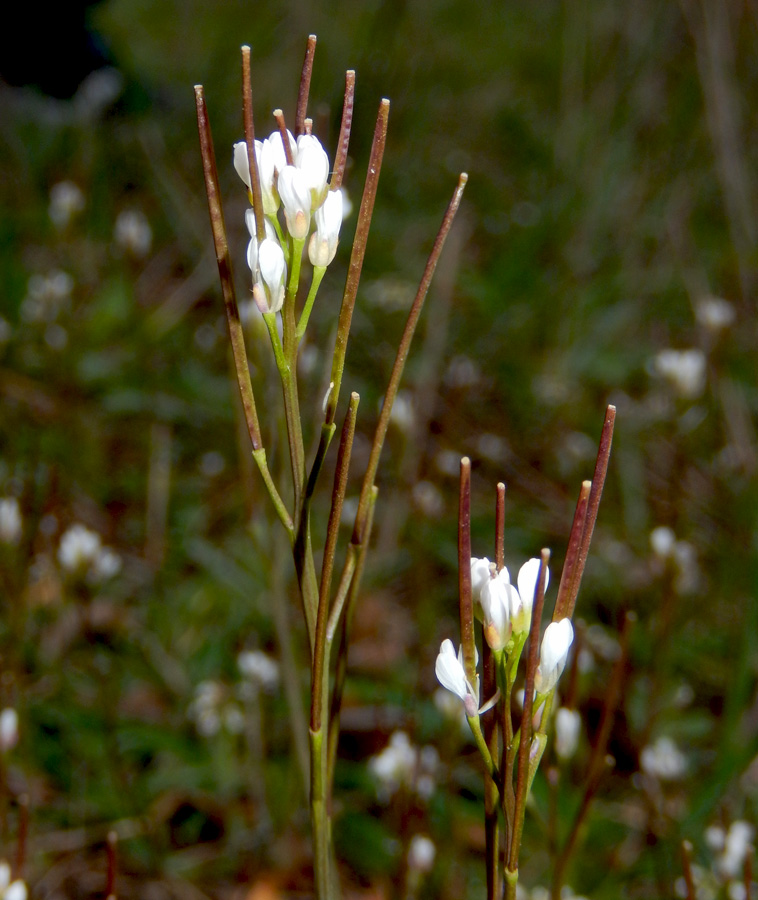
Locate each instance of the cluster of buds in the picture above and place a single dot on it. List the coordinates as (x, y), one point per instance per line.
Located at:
(293, 176)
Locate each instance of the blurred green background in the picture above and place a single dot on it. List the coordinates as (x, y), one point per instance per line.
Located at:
(610, 219)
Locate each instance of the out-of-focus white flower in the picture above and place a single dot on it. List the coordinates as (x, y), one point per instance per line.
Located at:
(662, 541)
(683, 369)
(11, 890)
(403, 765)
(737, 844)
(403, 414)
(46, 295)
(132, 233)
(322, 246)
(451, 675)
(78, 548)
(269, 291)
(313, 162)
(714, 313)
(10, 521)
(663, 760)
(8, 729)
(106, 564)
(735, 890)
(212, 709)
(66, 200)
(495, 598)
(554, 649)
(295, 195)
(259, 668)
(428, 498)
(715, 838)
(568, 727)
(421, 853)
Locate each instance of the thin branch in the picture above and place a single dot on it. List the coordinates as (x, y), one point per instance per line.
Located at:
(340, 157)
(282, 126)
(305, 86)
(402, 355)
(357, 255)
(466, 603)
(252, 160)
(572, 551)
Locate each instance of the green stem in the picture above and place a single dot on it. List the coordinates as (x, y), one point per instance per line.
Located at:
(319, 817)
(260, 459)
(318, 274)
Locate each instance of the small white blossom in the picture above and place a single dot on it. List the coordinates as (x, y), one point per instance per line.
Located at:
(421, 853)
(10, 521)
(259, 668)
(496, 600)
(313, 162)
(78, 548)
(523, 599)
(714, 313)
(554, 649)
(132, 233)
(66, 200)
(295, 195)
(684, 370)
(269, 291)
(481, 571)
(737, 845)
(46, 295)
(8, 729)
(663, 760)
(106, 564)
(451, 675)
(568, 727)
(322, 246)
(662, 541)
(428, 498)
(16, 890)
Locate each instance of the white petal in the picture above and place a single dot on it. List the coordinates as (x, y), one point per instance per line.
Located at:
(241, 162)
(449, 670)
(527, 581)
(554, 650)
(16, 891)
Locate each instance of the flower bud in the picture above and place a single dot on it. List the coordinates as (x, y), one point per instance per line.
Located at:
(269, 292)
(296, 200)
(323, 243)
(521, 609)
(556, 643)
(496, 605)
(313, 162)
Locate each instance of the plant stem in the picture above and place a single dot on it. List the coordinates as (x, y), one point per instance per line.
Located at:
(318, 274)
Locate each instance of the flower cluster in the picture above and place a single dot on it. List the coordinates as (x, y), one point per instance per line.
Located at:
(403, 765)
(81, 552)
(506, 614)
(293, 178)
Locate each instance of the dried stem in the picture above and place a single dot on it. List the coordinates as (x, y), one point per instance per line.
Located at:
(593, 503)
(466, 602)
(340, 157)
(282, 126)
(252, 160)
(402, 355)
(305, 86)
(689, 880)
(572, 552)
(357, 255)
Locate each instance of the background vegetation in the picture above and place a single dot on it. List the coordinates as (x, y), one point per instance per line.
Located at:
(611, 151)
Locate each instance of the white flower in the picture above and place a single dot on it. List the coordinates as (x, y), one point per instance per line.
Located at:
(313, 162)
(568, 727)
(11, 890)
(451, 675)
(267, 155)
(269, 292)
(295, 195)
(66, 200)
(554, 649)
(663, 760)
(252, 247)
(395, 766)
(79, 547)
(322, 246)
(8, 729)
(421, 853)
(714, 313)
(481, 570)
(737, 845)
(523, 600)
(10, 521)
(662, 541)
(684, 370)
(496, 603)
(106, 564)
(132, 233)
(259, 668)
